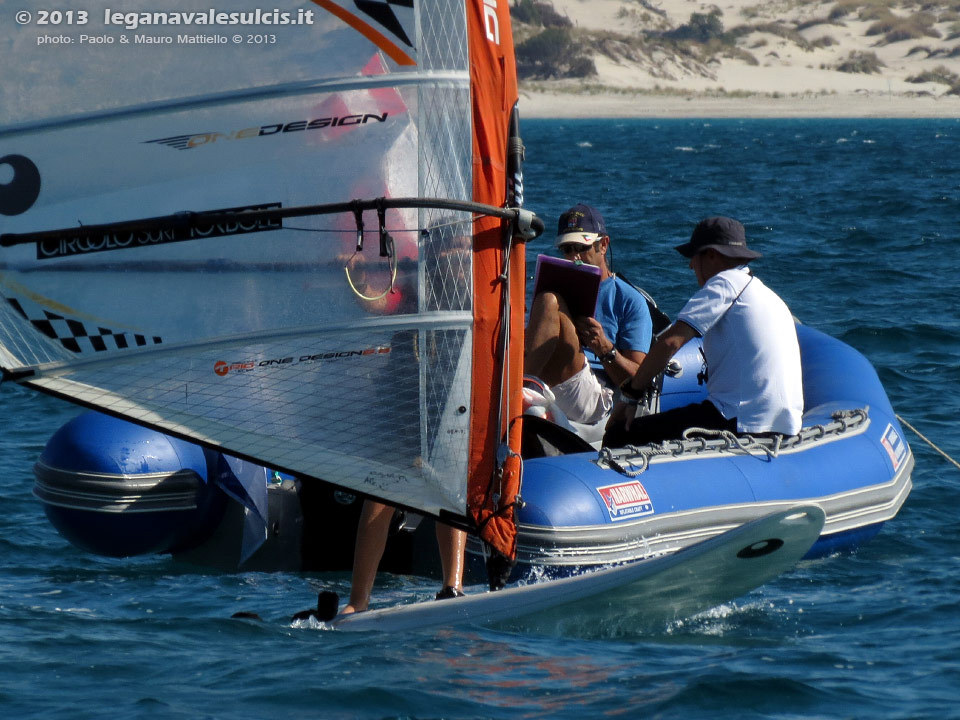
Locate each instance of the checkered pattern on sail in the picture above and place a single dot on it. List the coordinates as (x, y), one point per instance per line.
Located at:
(78, 336)
(19, 342)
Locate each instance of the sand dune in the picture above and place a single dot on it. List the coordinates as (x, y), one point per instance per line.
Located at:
(784, 62)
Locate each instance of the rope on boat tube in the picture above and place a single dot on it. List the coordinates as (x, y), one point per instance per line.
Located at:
(634, 460)
(928, 441)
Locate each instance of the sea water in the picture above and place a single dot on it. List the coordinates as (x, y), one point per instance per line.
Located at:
(858, 224)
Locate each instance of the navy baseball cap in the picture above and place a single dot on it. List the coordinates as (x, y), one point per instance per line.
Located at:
(580, 224)
(723, 234)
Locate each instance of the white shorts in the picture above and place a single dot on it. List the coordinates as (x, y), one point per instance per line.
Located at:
(583, 398)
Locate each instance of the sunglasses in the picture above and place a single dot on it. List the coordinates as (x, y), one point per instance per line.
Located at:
(577, 248)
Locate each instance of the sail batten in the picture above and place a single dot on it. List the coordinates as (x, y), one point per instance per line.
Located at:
(305, 87)
(71, 362)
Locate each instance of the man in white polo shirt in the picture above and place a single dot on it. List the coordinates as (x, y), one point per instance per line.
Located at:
(752, 358)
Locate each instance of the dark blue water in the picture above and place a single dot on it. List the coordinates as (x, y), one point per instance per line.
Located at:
(858, 221)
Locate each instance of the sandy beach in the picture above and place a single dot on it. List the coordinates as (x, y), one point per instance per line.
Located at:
(784, 61)
(611, 105)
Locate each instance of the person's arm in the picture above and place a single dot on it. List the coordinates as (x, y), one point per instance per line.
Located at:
(664, 348)
(619, 365)
(623, 365)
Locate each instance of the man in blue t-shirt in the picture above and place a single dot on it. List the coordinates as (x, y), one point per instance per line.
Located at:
(584, 359)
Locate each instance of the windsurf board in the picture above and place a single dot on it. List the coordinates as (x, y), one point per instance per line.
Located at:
(636, 596)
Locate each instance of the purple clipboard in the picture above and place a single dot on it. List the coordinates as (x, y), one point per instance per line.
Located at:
(578, 284)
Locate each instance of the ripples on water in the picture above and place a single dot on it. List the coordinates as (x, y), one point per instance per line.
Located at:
(858, 222)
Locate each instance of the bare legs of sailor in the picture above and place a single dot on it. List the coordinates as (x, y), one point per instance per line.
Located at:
(552, 350)
(452, 543)
(371, 540)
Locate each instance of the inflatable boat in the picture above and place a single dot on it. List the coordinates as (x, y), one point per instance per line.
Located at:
(851, 459)
(114, 488)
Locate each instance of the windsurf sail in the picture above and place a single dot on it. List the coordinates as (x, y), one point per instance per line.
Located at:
(278, 234)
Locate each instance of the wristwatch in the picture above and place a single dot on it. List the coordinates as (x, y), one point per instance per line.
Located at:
(609, 356)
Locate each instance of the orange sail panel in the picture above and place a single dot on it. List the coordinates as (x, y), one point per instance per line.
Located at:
(491, 491)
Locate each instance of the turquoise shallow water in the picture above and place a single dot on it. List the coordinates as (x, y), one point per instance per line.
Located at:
(858, 223)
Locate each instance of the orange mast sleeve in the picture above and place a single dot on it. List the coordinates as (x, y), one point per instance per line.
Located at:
(490, 496)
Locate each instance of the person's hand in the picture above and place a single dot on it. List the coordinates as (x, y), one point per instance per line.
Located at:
(591, 335)
(621, 416)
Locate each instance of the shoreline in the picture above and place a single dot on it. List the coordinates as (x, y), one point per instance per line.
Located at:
(598, 104)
